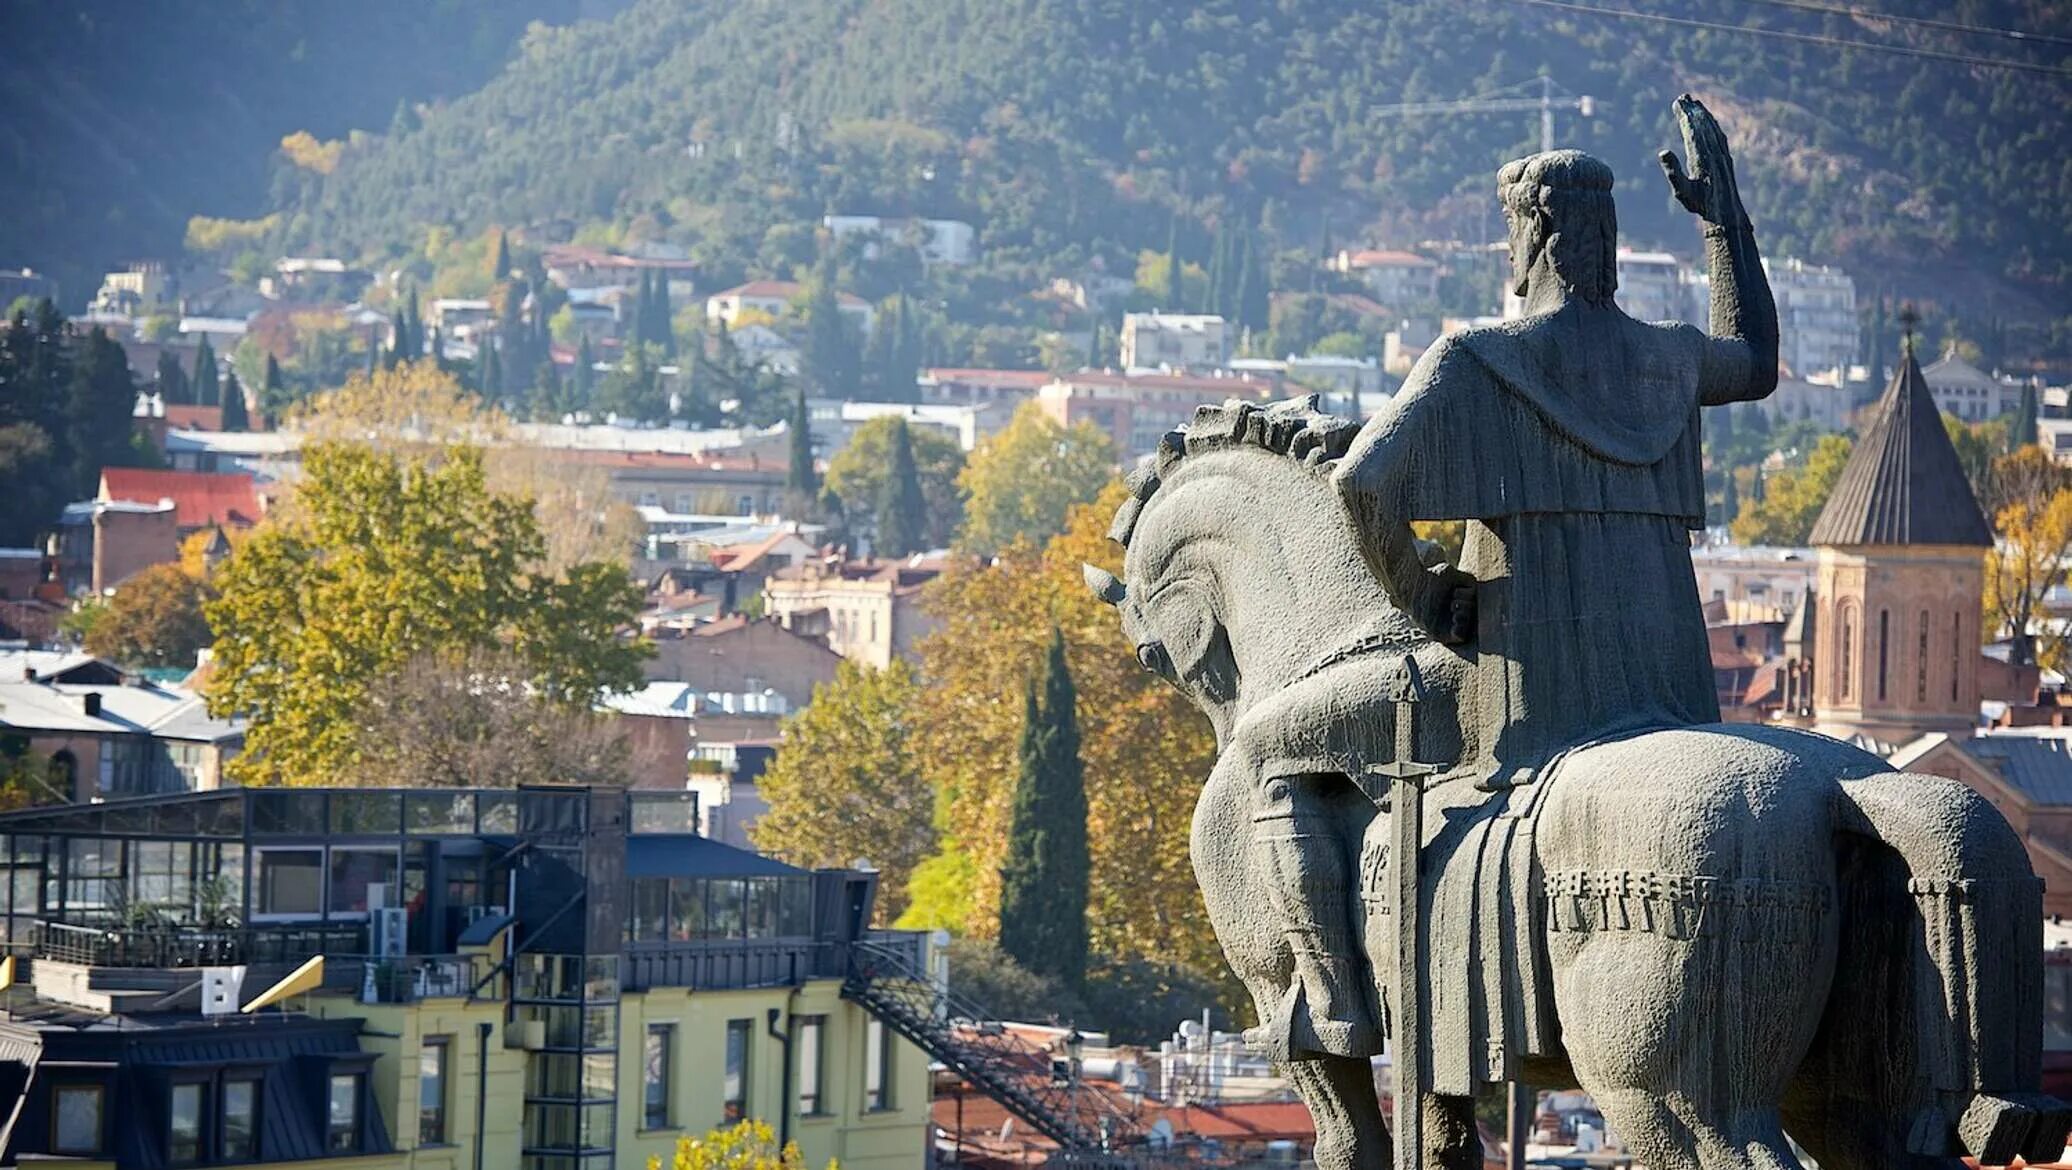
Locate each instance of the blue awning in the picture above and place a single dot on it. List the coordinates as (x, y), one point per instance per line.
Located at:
(651, 855)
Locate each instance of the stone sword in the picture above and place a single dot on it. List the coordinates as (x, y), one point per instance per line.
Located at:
(1406, 818)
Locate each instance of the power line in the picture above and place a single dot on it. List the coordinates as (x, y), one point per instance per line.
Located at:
(1807, 38)
(1980, 30)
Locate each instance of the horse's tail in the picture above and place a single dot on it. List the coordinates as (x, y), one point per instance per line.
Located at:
(1942, 911)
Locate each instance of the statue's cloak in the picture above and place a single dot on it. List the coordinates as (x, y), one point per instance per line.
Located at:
(1573, 411)
(1570, 443)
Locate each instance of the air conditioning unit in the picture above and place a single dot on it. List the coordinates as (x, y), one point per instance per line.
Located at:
(391, 931)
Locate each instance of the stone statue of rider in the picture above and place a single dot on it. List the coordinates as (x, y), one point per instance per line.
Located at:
(1568, 441)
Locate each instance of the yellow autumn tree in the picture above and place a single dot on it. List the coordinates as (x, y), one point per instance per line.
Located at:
(418, 409)
(2031, 501)
(1792, 498)
(1145, 749)
(750, 1145)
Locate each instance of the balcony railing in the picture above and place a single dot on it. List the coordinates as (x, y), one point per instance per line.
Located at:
(408, 978)
(737, 964)
(190, 946)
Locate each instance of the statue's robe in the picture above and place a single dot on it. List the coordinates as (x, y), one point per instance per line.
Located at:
(1569, 442)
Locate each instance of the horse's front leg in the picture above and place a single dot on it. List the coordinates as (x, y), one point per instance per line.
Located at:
(1451, 1139)
(1339, 1091)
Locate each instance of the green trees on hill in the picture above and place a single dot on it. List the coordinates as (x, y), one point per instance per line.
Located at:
(902, 512)
(1031, 124)
(66, 403)
(1043, 886)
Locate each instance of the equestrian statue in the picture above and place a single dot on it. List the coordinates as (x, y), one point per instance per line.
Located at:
(1485, 806)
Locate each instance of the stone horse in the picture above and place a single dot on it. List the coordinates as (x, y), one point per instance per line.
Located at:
(1739, 931)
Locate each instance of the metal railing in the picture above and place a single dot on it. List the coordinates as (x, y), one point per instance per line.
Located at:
(190, 946)
(407, 978)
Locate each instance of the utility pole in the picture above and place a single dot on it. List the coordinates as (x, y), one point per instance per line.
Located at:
(1545, 104)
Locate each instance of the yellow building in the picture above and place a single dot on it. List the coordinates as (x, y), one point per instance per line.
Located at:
(546, 979)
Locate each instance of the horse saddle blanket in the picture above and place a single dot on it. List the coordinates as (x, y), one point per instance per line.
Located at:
(1487, 984)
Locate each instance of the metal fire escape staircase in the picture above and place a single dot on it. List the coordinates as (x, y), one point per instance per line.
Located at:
(1042, 1091)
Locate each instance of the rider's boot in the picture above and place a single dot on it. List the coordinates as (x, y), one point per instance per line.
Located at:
(1325, 1010)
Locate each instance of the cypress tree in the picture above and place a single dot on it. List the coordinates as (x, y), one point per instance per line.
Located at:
(1254, 299)
(99, 403)
(902, 510)
(2023, 432)
(801, 479)
(546, 398)
(205, 385)
(1093, 346)
(583, 382)
(234, 417)
(1730, 499)
(273, 392)
(1212, 296)
(830, 356)
(665, 324)
(1043, 885)
(1755, 485)
(171, 379)
(492, 371)
(500, 267)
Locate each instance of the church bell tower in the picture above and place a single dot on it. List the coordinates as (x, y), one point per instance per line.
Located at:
(1900, 578)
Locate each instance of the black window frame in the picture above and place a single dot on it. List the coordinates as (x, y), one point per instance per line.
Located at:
(735, 1108)
(657, 1114)
(878, 1097)
(344, 1140)
(812, 1071)
(202, 1151)
(439, 1114)
(223, 1130)
(100, 1094)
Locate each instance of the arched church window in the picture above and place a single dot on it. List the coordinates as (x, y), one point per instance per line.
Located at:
(1884, 648)
(1921, 663)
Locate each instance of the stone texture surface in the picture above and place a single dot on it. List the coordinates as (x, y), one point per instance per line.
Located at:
(1722, 932)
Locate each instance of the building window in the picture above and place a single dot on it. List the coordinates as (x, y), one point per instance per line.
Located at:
(342, 1115)
(877, 1066)
(1956, 651)
(1921, 665)
(812, 1053)
(733, 1104)
(431, 1090)
(290, 882)
(240, 1119)
(183, 1135)
(655, 1077)
(1884, 645)
(1845, 661)
(353, 870)
(76, 1119)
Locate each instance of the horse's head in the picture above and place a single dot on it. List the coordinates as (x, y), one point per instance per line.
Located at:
(1242, 571)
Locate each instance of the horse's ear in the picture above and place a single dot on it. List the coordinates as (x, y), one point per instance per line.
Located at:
(1104, 584)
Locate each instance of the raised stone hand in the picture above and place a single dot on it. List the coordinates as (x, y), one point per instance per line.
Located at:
(1708, 191)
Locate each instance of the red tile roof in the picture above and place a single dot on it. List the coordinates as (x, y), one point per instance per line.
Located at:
(981, 377)
(200, 498)
(782, 290)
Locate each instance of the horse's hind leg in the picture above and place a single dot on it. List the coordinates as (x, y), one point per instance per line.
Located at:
(1339, 1091)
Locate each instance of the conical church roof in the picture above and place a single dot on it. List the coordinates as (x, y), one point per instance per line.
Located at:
(1903, 484)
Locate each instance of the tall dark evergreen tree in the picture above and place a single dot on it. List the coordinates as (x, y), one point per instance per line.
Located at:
(583, 379)
(35, 389)
(830, 354)
(492, 371)
(235, 417)
(170, 380)
(206, 385)
(1095, 350)
(902, 512)
(1252, 297)
(500, 267)
(99, 410)
(2023, 432)
(1730, 499)
(548, 403)
(273, 392)
(1043, 886)
(1169, 291)
(801, 478)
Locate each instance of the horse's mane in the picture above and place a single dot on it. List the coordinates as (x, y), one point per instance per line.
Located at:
(1293, 427)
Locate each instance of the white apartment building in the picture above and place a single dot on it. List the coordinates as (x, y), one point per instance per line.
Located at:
(1652, 286)
(1968, 392)
(1816, 315)
(939, 241)
(1173, 341)
(1398, 279)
